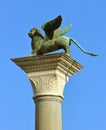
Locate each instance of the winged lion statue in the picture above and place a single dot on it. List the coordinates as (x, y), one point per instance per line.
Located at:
(53, 39)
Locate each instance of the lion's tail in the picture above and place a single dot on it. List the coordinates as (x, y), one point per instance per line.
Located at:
(79, 46)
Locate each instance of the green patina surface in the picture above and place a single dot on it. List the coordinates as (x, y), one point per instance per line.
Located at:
(53, 40)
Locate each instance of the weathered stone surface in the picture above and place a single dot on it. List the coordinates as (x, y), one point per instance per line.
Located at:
(59, 61)
(48, 83)
(48, 73)
(48, 113)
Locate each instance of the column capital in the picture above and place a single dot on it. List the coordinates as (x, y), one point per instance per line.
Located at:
(48, 73)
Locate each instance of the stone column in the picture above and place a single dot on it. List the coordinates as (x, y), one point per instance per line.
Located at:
(48, 75)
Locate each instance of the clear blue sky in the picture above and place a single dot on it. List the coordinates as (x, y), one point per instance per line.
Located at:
(84, 105)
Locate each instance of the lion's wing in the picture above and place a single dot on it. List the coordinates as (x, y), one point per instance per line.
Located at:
(62, 31)
(52, 25)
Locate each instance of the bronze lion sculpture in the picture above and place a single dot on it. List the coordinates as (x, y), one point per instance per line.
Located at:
(53, 40)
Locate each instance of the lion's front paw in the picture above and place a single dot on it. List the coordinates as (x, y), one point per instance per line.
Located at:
(31, 54)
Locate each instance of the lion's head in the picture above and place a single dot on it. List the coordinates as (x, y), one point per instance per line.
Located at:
(35, 32)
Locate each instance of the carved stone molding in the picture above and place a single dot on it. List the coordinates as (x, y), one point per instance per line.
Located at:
(46, 83)
(59, 61)
(48, 73)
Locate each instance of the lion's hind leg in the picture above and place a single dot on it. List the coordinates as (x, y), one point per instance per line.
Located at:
(67, 50)
(65, 45)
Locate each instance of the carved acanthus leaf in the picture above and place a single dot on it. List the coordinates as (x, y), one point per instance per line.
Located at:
(48, 84)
